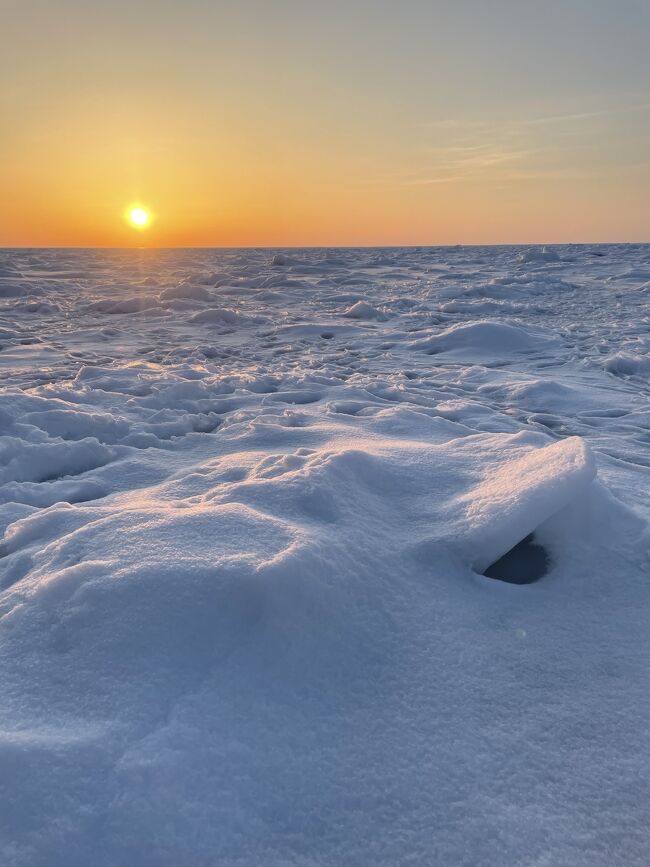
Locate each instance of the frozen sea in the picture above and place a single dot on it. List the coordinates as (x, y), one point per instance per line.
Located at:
(248, 499)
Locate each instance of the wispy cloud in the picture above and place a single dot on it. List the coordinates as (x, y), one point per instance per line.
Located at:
(549, 147)
(467, 125)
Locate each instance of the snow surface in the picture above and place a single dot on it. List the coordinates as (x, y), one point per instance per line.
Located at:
(247, 498)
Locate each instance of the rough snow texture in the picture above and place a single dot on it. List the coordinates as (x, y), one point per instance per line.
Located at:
(246, 499)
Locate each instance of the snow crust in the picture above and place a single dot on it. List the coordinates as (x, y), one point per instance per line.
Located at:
(243, 618)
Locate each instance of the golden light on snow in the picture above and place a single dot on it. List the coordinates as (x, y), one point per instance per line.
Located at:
(139, 217)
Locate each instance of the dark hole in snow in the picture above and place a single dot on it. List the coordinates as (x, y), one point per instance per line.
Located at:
(327, 335)
(526, 563)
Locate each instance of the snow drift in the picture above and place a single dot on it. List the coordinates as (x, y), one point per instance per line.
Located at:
(280, 585)
(244, 615)
(487, 340)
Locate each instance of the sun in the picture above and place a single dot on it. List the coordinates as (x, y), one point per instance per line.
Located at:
(138, 217)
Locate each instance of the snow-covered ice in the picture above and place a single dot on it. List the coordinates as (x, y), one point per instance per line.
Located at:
(248, 499)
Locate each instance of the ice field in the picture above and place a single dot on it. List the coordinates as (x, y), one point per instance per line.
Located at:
(248, 499)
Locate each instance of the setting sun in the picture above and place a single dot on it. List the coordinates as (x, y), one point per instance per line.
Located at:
(139, 218)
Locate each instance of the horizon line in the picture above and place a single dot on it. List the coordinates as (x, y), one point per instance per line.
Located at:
(329, 246)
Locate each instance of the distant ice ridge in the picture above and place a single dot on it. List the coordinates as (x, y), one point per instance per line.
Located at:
(248, 508)
(539, 254)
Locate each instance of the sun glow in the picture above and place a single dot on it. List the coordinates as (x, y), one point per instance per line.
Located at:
(139, 217)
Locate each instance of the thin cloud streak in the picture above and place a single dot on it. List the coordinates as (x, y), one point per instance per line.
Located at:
(482, 150)
(514, 123)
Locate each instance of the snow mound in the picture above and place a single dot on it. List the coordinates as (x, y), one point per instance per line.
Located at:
(222, 633)
(223, 316)
(548, 395)
(281, 259)
(485, 339)
(362, 310)
(186, 289)
(17, 288)
(539, 254)
(627, 364)
(43, 461)
(125, 305)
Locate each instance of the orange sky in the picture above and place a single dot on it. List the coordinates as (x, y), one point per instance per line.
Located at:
(314, 124)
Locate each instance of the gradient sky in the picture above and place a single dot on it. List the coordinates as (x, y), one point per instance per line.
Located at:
(292, 122)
